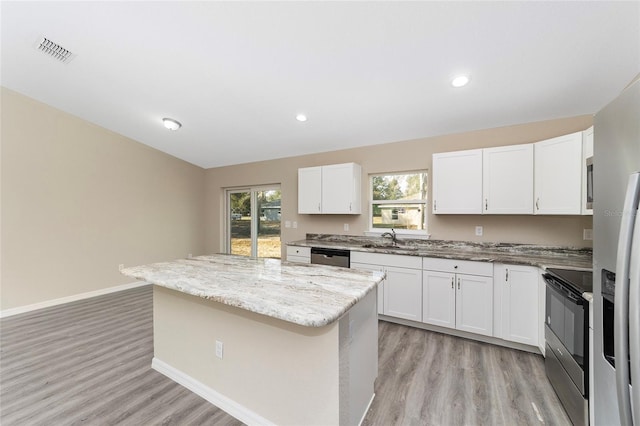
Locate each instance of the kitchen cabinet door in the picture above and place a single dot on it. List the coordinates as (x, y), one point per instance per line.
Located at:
(474, 304)
(520, 321)
(310, 190)
(507, 180)
(457, 182)
(558, 175)
(380, 289)
(333, 189)
(341, 189)
(439, 298)
(403, 293)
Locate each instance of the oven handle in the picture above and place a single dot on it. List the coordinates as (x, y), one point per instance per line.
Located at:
(568, 294)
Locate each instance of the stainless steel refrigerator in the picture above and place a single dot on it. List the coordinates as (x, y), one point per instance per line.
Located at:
(616, 268)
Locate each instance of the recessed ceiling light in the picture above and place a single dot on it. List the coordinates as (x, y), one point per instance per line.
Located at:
(301, 117)
(171, 124)
(460, 81)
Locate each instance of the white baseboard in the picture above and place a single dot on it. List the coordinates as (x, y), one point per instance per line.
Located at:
(236, 410)
(48, 303)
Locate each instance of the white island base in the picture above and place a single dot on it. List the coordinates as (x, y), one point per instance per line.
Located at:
(272, 371)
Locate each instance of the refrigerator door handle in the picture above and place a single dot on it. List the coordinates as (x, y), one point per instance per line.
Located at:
(634, 319)
(621, 311)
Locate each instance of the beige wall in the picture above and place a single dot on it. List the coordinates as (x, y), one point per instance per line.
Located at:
(286, 373)
(400, 156)
(78, 200)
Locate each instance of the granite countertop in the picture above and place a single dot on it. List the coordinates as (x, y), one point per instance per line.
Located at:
(515, 254)
(307, 295)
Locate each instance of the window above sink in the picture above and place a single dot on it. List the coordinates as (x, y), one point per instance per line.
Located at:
(398, 201)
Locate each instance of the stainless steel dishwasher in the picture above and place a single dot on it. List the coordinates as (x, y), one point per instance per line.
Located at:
(332, 257)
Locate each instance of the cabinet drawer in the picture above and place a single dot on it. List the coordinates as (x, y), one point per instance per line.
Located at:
(298, 259)
(397, 260)
(298, 251)
(458, 266)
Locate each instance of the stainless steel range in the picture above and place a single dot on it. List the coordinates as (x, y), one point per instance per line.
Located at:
(567, 339)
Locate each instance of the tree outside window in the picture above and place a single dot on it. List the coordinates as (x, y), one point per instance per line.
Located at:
(399, 201)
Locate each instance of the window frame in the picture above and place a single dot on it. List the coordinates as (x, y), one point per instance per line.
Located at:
(424, 202)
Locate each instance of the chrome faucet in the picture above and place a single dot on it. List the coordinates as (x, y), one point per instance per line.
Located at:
(392, 235)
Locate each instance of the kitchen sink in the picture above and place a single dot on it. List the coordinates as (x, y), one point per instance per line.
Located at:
(390, 247)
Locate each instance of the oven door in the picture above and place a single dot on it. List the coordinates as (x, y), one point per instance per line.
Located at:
(567, 330)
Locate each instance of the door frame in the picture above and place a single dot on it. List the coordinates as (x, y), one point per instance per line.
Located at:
(254, 213)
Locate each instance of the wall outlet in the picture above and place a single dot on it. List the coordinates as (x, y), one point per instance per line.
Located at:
(190, 255)
(294, 224)
(346, 226)
(287, 224)
(479, 231)
(219, 348)
(121, 267)
(587, 234)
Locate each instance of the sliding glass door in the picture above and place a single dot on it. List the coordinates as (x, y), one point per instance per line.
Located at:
(253, 221)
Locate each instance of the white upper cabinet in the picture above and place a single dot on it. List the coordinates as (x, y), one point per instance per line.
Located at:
(507, 180)
(558, 175)
(457, 182)
(310, 190)
(341, 187)
(541, 178)
(334, 189)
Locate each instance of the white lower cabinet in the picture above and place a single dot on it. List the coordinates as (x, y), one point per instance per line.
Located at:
(463, 301)
(517, 290)
(474, 304)
(402, 291)
(400, 294)
(439, 298)
(298, 254)
(498, 300)
(374, 268)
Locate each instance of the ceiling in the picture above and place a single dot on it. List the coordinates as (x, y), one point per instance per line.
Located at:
(236, 74)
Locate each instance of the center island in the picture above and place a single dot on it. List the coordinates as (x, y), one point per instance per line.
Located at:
(269, 342)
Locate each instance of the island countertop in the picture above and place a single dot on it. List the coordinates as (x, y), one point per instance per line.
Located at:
(307, 295)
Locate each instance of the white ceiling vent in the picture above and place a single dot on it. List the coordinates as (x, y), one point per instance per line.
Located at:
(54, 50)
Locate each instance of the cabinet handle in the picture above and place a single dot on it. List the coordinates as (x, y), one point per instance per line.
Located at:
(458, 283)
(349, 206)
(452, 282)
(538, 203)
(506, 275)
(434, 205)
(318, 206)
(486, 204)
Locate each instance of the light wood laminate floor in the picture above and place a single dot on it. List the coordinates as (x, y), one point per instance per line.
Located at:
(89, 363)
(428, 378)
